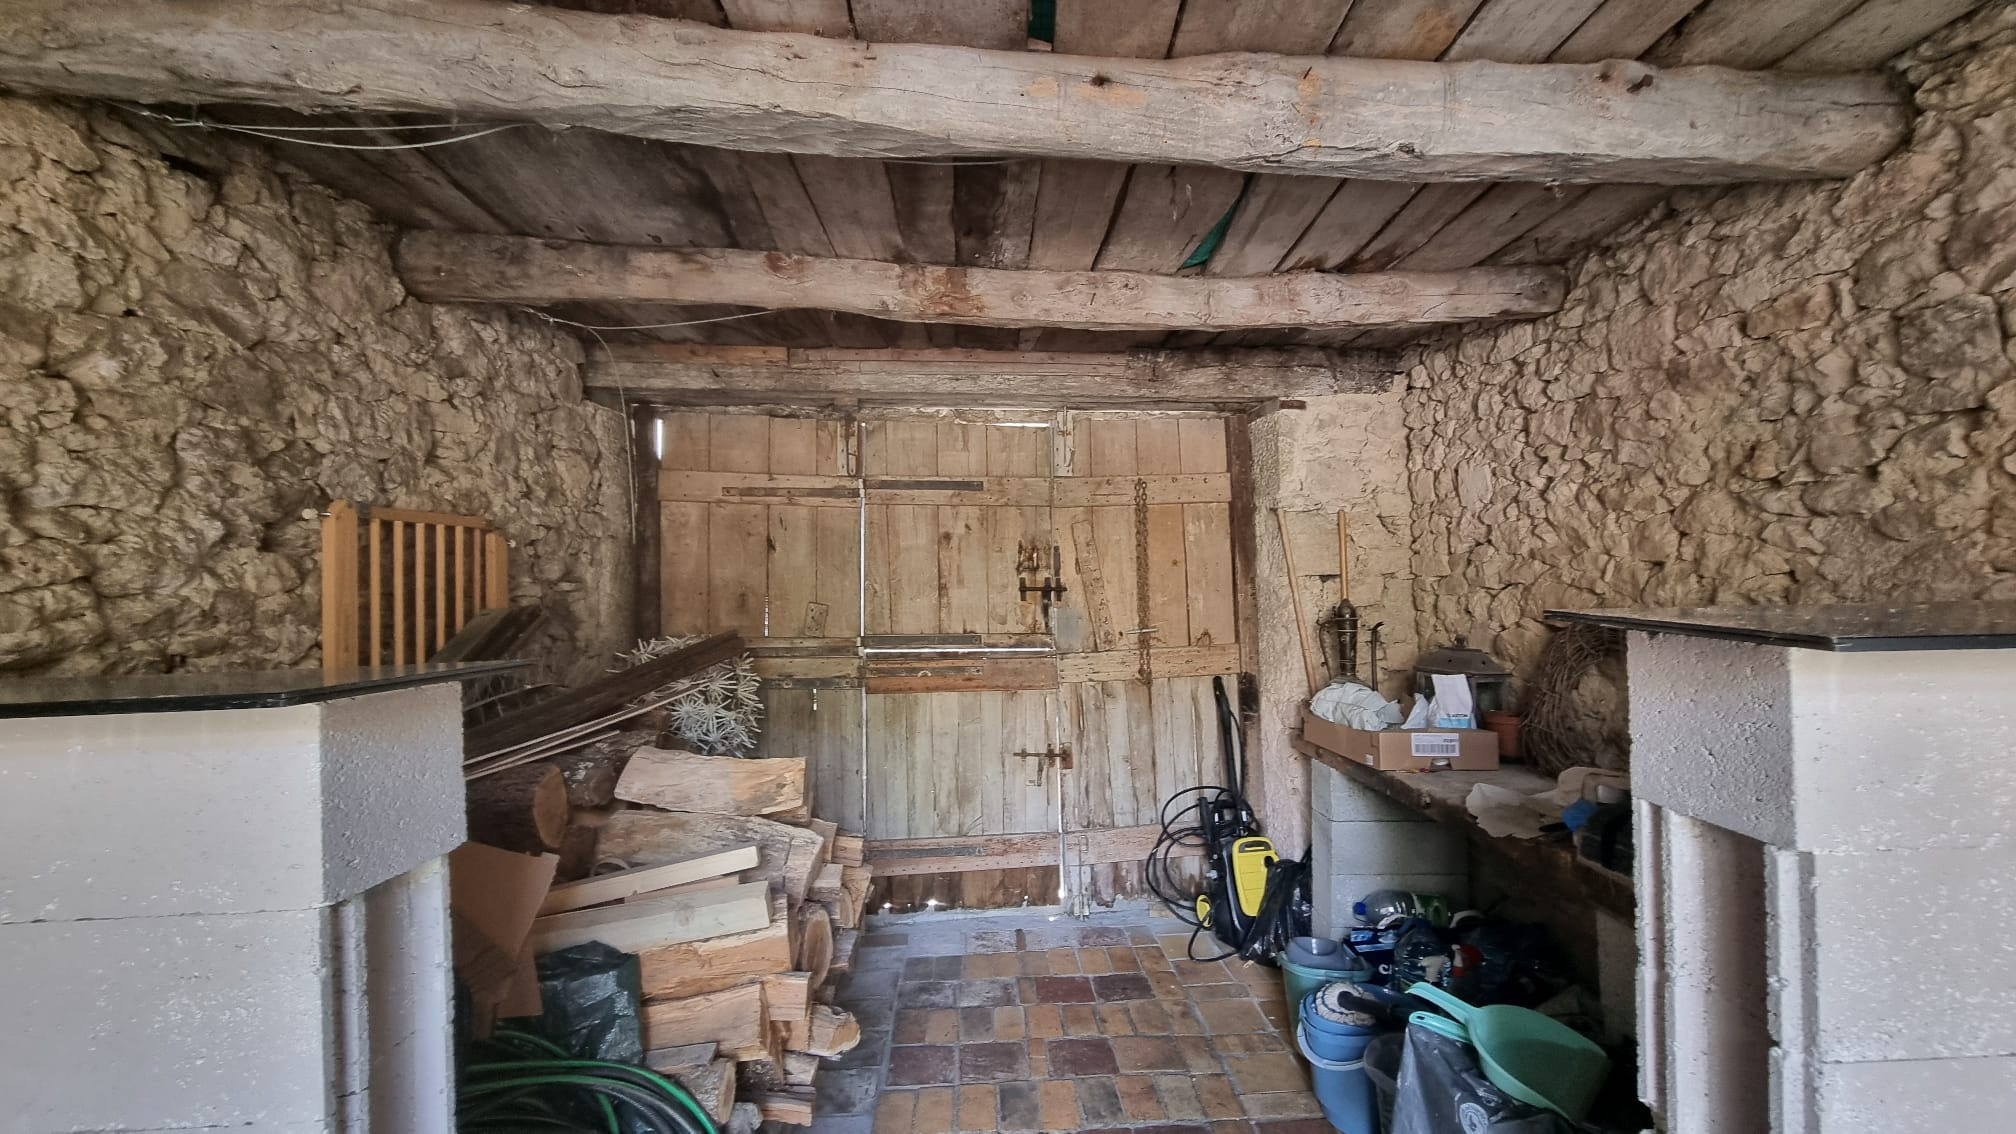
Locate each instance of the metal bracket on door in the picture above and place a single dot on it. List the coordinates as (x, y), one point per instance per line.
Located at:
(1061, 755)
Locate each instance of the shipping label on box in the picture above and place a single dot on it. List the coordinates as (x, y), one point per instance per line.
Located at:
(1405, 750)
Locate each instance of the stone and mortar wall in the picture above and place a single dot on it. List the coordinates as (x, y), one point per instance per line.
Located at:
(1342, 452)
(1782, 393)
(197, 345)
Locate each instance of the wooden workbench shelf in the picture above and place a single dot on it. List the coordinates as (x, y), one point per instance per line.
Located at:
(1442, 796)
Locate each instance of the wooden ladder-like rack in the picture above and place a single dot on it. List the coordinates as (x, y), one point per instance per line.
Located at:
(397, 584)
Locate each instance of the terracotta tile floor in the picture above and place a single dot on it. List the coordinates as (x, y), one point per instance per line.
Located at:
(1020, 1023)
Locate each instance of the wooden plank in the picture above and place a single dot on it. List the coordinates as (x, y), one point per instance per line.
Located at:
(1165, 661)
(794, 446)
(690, 83)
(1074, 209)
(697, 967)
(1138, 29)
(911, 572)
(1284, 27)
(994, 212)
(399, 654)
(1402, 29)
(921, 193)
(999, 24)
(1271, 220)
(998, 377)
(1599, 212)
(737, 547)
(1164, 213)
(1207, 544)
(622, 884)
(962, 569)
(1201, 444)
(943, 854)
(855, 206)
(797, 492)
(1519, 31)
(461, 267)
(339, 586)
(818, 17)
(1348, 222)
(1501, 215)
(1736, 33)
(1874, 33)
(685, 597)
(649, 837)
(1105, 447)
(632, 926)
(792, 568)
(721, 785)
(1004, 492)
(1177, 488)
(738, 443)
(961, 674)
(1420, 218)
(1622, 29)
(1168, 601)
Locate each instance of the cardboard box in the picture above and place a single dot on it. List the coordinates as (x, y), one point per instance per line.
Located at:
(1405, 750)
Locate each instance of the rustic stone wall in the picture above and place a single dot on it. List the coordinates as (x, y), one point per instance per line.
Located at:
(1348, 453)
(197, 345)
(1790, 393)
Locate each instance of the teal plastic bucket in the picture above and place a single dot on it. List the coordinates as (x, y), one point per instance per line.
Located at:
(1342, 1088)
(1298, 981)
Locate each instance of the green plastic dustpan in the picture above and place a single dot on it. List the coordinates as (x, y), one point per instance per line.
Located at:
(1531, 1057)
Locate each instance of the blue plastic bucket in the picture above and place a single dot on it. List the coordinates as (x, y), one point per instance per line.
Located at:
(1342, 1088)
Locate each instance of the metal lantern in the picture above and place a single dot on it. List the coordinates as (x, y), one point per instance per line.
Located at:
(1490, 683)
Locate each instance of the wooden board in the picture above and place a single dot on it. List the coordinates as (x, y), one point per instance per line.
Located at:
(725, 785)
(733, 1019)
(622, 884)
(710, 965)
(648, 838)
(657, 921)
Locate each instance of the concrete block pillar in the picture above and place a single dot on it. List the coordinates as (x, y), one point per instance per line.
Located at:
(1361, 841)
(1825, 893)
(230, 918)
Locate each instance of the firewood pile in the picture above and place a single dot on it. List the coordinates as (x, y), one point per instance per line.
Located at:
(741, 906)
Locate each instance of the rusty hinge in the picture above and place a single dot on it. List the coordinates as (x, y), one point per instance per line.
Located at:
(1061, 755)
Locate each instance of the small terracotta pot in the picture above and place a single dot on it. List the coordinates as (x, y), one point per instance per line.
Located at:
(1506, 725)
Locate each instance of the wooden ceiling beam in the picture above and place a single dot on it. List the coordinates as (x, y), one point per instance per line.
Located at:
(687, 82)
(680, 374)
(466, 267)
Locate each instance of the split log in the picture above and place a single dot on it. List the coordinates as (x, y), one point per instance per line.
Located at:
(732, 1018)
(826, 1032)
(593, 769)
(829, 885)
(787, 996)
(523, 809)
(634, 926)
(682, 81)
(696, 967)
(722, 785)
(792, 1108)
(850, 850)
(643, 880)
(649, 837)
(814, 953)
(827, 830)
(711, 1085)
(844, 943)
(800, 1067)
(670, 1060)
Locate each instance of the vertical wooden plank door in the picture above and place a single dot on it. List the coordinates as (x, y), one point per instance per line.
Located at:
(761, 520)
(959, 663)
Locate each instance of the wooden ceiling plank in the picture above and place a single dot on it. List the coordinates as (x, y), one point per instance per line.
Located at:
(1494, 220)
(854, 204)
(1284, 27)
(690, 83)
(1418, 220)
(1747, 33)
(1349, 222)
(994, 213)
(999, 24)
(794, 221)
(400, 185)
(1402, 29)
(817, 17)
(680, 373)
(921, 193)
(1074, 208)
(1622, 29)
(1596, 215)
(1275, 213)
(1164, 213)
(1117, 29)
(1874, 34)
(505, 269)
(1519, 31)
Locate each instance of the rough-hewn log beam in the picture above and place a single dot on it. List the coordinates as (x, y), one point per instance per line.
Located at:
(687, 82)
(446, 266)
(677, 373)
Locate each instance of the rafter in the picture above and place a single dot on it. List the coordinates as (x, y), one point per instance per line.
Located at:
(687, 82)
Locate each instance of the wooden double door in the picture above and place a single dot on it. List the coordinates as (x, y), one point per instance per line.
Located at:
(994, 635)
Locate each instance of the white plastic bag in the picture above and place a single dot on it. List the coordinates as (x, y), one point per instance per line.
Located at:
(1354, 706)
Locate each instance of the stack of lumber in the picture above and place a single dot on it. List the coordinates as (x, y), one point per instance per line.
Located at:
(742, 909)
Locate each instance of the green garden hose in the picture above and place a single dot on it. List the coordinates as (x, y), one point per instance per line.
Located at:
(529, 1083)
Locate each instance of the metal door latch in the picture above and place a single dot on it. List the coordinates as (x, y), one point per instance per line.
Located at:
(1052, 586)
(1061, 755)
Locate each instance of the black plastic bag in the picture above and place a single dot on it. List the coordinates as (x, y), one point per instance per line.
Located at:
(1442, 1090)
(591, 996)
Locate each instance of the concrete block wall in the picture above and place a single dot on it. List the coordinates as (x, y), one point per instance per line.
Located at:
(1362, 841)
